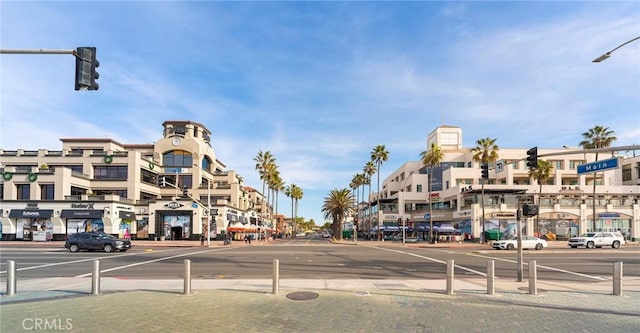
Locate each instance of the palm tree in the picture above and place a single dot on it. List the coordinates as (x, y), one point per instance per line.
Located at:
(278, 185)
(288, 191)
(597, 137)
(356, 181)
(540, 173)
(485, 152)
(378, 155)
(296, 194)
(431, 158)
(264, 162)
(337, 205)
(369, 170)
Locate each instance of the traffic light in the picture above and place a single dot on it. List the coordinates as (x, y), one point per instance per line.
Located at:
(485, 170)
(164, 182)
(532, 158)
(86, 64)
(185, 191)
(529, 210)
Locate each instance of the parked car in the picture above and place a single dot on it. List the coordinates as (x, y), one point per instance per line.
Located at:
(597, 239)
(96, 241)
(528, 242)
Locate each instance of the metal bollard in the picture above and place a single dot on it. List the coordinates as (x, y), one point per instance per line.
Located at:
(617, 279)
(533, 278)
(187, 277)
(11, 277)
(491, 277)
(95, 278)
(450, 267)
(276, 276)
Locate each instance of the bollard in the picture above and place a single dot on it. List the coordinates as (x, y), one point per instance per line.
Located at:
(533, 278)
(187, 277)
(617, 279)
(95, 278)
(491, 277)
(11, 277)
(276, 276)
(450, 267)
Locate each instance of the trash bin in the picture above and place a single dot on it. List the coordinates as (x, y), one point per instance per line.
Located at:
(493, 234)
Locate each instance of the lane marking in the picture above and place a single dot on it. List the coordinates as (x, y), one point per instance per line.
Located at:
(85, 260)
(473, 271)
(151, 261)
(543, 267)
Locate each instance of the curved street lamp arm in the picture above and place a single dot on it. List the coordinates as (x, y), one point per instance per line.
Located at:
(608, 54)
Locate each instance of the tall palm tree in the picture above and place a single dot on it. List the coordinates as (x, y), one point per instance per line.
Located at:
(278, 185)
(296, 194)
(355, 186)
(366, 180)
(597, 137)
(338, 205)
(431, 158)
(485, 152)
(540, 173)
(264, 162)
(288, 191)
(369, 170)
(379, 155)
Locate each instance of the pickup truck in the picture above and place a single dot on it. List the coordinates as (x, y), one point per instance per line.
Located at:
(597, 239)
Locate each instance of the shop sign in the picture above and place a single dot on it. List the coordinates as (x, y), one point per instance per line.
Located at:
(82, 205)
(173, 205)
(609, 215)
(509, 215)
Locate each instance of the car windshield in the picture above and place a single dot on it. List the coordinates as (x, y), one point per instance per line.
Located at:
(588, 234)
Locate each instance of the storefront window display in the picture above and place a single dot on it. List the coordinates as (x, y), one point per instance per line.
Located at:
(84, 225)
(177, 227)
(143, 229)
(26, 227)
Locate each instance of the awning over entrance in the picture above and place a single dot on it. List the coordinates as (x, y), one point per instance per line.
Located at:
(127, 215)
(81, 214)
(31, 213)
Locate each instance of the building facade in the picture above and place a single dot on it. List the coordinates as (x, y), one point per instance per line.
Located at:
(567, 203)
(174, 189)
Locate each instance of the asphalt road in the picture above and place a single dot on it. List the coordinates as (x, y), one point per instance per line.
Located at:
(316, 258)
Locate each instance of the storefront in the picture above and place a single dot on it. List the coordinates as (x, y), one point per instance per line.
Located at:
(174, 225)
(556, 226)
(127, 226)
(613, 222)
(32, 222)
(82, 220)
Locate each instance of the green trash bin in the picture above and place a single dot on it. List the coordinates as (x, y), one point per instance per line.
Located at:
(493, 234)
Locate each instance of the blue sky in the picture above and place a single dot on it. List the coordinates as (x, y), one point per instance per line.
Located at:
(319, 84)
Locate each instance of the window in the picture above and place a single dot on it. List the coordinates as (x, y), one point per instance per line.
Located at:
(24, 191)
(148, 177)
(626, 172)
(78, 190)
(449, 138)
(119, 172)
(47, 192)
(419, 188)
(177, 158)
(1, 191)
(557, 164)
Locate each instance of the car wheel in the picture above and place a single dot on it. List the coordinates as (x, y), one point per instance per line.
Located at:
(615, 245)
(539, 246)
(74, 248)
(510, 246)
(108, 248)
(590, 245)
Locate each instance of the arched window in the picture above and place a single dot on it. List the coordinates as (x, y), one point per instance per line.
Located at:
(206, 164)
(177, 158)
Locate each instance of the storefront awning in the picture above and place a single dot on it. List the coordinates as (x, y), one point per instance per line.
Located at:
(31, 213)
(81, 214)
(127, 215)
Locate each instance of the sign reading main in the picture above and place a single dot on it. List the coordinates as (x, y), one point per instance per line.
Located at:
(596, 166)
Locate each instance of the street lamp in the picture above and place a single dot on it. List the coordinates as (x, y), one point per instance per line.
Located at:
(207, 226)
(608, 54)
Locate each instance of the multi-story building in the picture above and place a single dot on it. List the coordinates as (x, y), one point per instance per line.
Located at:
(174, 188)
(566, 200)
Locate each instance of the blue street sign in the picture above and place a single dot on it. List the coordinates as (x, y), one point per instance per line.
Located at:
(426, 216)
(611, 163)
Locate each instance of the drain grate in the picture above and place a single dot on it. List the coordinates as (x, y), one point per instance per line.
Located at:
(302, 296)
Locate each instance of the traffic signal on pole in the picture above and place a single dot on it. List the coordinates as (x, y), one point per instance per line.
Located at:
(532, 158)
(485, 171)
(164, 181)
(86, 64)
(185, 191)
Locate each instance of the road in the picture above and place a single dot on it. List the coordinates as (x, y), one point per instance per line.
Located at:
(316, 258)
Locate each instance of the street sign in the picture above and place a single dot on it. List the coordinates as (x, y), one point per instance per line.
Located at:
(596, 166)
(426, 216)
(499, 166)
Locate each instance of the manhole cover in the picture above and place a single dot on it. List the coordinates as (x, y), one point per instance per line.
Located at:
(302, 296)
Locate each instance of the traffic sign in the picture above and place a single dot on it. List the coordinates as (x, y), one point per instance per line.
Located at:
(499, 166)
(426, 216)
(596, 166)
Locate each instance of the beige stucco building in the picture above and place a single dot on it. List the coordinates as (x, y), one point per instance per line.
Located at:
(175, 188)
(566, 199)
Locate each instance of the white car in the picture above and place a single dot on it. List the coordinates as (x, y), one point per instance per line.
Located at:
(597, 239)
(528, 242)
